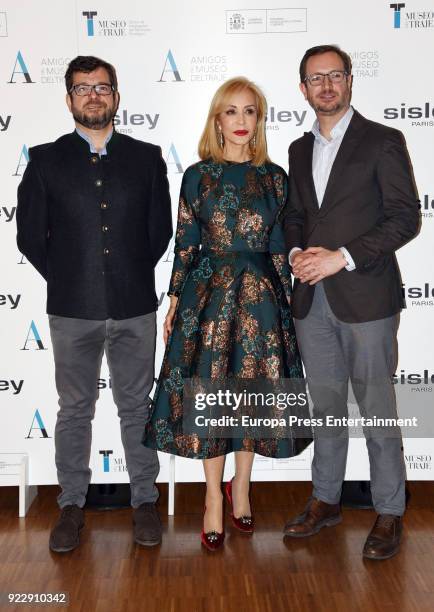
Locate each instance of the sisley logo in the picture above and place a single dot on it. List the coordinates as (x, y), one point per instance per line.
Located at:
(421, 381)
(7, 213)
(275, 116)
(427, 207)
(125, 118)
(103, 383)
(12, 385)
(419, 296)
(10, 301)
(424, 114)
(412, 112)
(4, 122)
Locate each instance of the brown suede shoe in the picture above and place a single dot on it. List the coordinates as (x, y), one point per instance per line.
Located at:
(384, 538)
(147, 525)
(316, 515)
(65, 535)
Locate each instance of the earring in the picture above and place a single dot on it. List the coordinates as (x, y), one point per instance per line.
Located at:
(221, 138)
(253, 142)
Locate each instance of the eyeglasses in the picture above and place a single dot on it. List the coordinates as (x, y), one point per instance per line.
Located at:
(102, 89)
(335, 76)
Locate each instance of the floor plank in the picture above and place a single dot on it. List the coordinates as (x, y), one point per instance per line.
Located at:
(262, 573)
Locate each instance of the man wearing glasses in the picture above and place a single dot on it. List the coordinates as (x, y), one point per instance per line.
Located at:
(352, 204)
(94, 218)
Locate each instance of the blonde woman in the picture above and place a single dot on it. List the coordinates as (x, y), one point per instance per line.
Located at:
(229, 315)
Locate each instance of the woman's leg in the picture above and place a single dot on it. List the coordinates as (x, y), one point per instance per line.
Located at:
(213, 519)
(241, 483)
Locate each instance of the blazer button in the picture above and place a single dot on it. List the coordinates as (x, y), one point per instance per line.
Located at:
(106, 251)
(105, 228)
(104, 205)
(98, 182)
(94, 159)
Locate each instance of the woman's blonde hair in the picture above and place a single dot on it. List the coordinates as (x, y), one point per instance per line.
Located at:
(209, 146)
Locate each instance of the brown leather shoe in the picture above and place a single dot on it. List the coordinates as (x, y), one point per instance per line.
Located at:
(384, 538)
(316, 515)
(65, 535)
(147, 525)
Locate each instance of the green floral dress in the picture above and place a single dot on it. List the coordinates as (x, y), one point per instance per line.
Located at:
(233, 318)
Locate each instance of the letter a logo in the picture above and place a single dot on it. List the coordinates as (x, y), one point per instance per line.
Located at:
(22, 162)
(33, 331)
(23, 71)
(39, 425)
(171, 68)
(176, 161)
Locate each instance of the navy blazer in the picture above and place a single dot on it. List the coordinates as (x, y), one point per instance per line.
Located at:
(95, 227)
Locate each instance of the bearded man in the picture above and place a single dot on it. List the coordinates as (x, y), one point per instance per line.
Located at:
(94, 218)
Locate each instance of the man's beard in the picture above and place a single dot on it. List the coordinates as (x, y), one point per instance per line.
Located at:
(341, 102)
(329, 110)
(94, 121)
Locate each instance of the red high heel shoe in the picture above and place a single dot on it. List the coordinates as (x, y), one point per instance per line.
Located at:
(243, 523)
(212, 540)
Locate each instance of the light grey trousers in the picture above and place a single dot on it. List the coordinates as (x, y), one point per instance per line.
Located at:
(334, 352)
(78, 346)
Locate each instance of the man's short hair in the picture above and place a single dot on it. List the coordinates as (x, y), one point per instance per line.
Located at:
(319, 50)
(89, 63)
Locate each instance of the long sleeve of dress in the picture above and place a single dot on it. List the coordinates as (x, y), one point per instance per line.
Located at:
(277, 247)
(188, 235)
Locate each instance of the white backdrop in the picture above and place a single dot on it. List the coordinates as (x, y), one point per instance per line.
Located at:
(170, 59)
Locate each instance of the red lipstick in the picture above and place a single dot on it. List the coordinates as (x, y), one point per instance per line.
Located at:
(241, 132)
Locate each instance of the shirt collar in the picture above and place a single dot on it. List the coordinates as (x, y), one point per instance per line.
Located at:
(88, 140)
(339, 129)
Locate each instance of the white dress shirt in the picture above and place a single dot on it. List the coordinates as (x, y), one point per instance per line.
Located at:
(324, 155)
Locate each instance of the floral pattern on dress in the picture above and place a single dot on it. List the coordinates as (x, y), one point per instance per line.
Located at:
(233, 317)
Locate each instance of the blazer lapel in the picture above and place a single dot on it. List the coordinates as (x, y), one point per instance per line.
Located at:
(306, 155)
(349, 142)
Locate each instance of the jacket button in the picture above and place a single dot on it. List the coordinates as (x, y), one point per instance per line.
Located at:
(104, 205)
(94, 159)
(106, 251)
(105, 228)
(98, 182)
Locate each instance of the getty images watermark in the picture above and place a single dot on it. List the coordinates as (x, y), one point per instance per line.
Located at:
(263, 408)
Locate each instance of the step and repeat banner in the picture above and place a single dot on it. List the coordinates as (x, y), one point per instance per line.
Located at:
(170, 58)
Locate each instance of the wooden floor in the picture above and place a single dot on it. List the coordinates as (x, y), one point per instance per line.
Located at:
(262, 573)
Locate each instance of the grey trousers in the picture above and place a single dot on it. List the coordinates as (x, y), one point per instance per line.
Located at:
(334, 352)
(78, 346)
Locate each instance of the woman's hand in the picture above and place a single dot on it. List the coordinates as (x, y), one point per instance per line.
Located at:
(168, 321)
